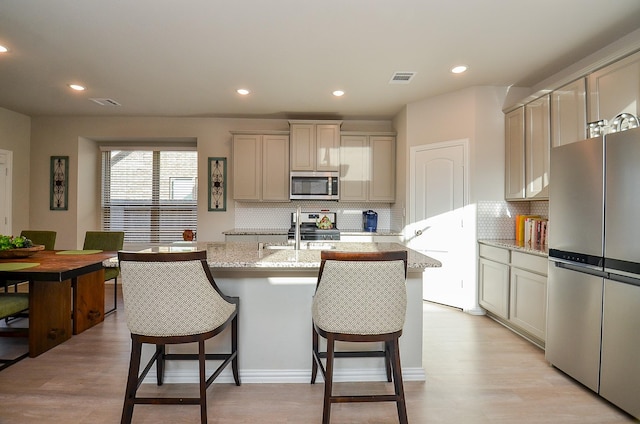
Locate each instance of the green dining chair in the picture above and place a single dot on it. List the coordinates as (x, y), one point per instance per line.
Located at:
(106, 240)
(44, 237)
(47, 238)
(11, 305)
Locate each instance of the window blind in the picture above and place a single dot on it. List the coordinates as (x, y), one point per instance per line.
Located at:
(151, 195)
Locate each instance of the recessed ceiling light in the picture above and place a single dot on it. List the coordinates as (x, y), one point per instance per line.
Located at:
(338, 93)
(459, 69)
(3, 49)
(76, 87)
(242, 91)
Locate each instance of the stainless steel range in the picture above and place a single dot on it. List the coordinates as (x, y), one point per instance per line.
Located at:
(315, 226)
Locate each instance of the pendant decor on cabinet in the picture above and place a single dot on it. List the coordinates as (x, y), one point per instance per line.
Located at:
(217, 184)
(59, 197)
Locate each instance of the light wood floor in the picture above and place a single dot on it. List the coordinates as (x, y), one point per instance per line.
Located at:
(477, 372)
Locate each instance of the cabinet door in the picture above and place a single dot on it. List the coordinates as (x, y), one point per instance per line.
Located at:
(247, 167)
(354, 168)
(537, 148)
(327, 149)
(569, 113)
(615, 89)
(494, 287)
(528, 302)
(382, 183)
(514, 154)
(303, 142)
(275, 168)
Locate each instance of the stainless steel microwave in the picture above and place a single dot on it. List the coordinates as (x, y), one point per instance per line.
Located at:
(314, 185)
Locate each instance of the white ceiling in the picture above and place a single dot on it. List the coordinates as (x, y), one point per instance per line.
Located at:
(187, 58)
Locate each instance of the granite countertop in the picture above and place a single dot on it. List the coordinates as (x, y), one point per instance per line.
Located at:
(248, 255)
(256, 231)
(285, 231)
(379, 232)
(518, 245)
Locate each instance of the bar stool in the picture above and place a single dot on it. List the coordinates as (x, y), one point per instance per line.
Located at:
(172, 298)
(360, 297)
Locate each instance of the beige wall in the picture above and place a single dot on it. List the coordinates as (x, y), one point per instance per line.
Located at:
(475, 114)
(15, 135)
(78, 138)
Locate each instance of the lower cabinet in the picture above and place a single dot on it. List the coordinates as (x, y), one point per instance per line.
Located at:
(513, 289)
(528, 301)
(494, 280)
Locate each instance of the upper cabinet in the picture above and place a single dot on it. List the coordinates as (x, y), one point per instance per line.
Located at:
(537, 148)
(615, 89)
(514, 154)
(367, 167)
(569, 113)
(527, 148)
(261, 167)
(315, 145)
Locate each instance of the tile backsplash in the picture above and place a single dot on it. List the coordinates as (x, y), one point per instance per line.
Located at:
(496, 219)
(278, 215)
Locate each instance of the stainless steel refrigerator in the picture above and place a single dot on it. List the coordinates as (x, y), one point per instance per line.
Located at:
(593, 310)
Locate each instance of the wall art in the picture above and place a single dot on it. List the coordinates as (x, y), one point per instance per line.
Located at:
(58, 200)
(217, 184)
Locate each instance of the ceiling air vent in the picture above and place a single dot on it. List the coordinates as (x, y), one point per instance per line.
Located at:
(402, 77)
(105, 102)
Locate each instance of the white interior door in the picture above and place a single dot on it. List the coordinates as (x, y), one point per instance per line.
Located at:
(5, 192)
(438, 182)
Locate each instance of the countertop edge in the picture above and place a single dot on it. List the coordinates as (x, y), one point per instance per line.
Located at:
(518, 246)
(285, 231)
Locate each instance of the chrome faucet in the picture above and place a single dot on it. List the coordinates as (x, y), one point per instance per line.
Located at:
(297, 233)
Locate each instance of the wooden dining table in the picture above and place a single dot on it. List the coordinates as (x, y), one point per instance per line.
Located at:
(66, 293)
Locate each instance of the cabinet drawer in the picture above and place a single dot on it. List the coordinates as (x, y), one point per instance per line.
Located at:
(530, 262)
(494, 253)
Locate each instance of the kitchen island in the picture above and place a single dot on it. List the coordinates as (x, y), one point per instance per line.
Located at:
(276, 284)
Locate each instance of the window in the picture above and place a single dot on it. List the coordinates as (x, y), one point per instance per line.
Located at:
(151, 195)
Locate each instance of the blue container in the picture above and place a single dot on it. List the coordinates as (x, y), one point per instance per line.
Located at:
(370, 221)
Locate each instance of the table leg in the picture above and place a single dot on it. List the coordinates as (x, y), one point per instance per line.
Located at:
(88, 300)
(49, 315)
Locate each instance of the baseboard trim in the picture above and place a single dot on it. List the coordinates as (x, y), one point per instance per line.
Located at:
(286, 376)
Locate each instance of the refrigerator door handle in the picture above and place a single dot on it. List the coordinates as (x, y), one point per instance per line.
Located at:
(578, 267)
(621, 277)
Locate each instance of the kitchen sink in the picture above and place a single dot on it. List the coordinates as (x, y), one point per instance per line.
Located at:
(303, 246)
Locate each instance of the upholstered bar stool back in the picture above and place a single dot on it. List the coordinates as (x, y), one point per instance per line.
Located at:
(172, 298)
(360, 297)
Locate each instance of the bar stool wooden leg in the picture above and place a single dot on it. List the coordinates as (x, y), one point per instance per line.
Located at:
(203, 382)
(397, 382)
(328, 381)
(314, 365)
(132, 382)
